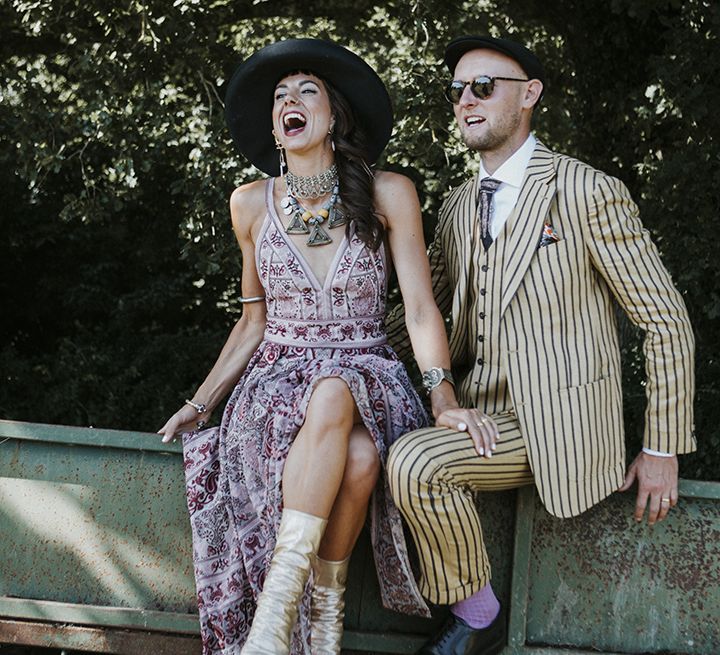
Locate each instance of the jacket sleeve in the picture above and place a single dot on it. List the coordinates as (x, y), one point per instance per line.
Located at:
(625, 256)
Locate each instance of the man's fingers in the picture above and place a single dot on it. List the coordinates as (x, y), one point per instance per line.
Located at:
(654, 509)
(674, 497)
(665, 505)
(640, 504)
(629, 479)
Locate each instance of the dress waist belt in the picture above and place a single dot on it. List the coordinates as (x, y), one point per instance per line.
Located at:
(335, 333)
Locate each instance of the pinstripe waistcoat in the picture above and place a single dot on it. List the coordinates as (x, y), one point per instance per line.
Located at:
(551, 335)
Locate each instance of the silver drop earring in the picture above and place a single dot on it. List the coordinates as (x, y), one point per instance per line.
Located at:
(281, 154)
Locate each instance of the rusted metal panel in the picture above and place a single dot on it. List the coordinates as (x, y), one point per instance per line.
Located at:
(95, 525)
(602, 582)
(96, 640)
(96, 530)
(95, 533)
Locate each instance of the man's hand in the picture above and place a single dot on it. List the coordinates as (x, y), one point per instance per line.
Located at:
(657, 479)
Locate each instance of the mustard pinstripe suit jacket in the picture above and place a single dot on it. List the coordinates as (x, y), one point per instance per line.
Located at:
(558, 334)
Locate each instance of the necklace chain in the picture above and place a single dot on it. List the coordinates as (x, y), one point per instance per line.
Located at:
(312, 186)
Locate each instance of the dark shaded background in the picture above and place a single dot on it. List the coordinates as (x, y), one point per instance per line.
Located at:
(118, 269)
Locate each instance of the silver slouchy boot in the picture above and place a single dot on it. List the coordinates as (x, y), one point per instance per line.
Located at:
(328, 606)
(297, 543)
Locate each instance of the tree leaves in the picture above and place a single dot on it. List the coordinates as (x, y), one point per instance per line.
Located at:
(117, 170)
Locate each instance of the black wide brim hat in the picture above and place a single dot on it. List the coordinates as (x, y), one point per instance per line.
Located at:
(463, 44)
(249, 96)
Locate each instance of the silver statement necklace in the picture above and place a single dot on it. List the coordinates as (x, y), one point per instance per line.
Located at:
(312, 186)
(302, 220)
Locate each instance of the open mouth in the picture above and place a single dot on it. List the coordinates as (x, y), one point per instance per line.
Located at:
(293, 123)
(474, 120)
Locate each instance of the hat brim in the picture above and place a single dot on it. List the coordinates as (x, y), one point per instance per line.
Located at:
(249, 96)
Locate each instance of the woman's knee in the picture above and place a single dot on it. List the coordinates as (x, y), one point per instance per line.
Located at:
(331, 405)
(363, 464)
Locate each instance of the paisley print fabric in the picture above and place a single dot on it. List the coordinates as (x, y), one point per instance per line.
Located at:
(234, 472)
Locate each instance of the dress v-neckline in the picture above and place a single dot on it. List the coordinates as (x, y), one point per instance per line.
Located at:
(305, 265)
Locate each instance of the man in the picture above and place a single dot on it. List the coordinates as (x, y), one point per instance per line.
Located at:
(530, 257)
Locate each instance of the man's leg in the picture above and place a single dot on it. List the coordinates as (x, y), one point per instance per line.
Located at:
(434, 474)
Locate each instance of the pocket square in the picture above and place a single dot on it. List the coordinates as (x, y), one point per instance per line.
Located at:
(549, 236)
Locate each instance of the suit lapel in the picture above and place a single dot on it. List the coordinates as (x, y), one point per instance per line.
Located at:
(524, 226)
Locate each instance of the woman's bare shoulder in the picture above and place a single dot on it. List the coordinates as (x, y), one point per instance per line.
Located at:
(393, 190)
(247, 205)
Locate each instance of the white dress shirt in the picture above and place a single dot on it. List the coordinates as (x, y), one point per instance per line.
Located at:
(511, 174)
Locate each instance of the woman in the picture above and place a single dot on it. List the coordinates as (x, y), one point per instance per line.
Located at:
(279, 492)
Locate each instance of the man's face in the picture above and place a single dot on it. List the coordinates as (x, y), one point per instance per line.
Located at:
(497, 122)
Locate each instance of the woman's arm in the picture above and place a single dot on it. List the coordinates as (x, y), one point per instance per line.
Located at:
(396, 199)
(247, 210)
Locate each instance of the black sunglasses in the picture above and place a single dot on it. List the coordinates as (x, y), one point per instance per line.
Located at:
(481, 87)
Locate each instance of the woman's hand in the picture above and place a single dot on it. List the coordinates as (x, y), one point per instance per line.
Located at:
(479, 426)
(185, 419)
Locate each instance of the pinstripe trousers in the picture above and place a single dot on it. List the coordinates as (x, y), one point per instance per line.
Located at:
(433, 475)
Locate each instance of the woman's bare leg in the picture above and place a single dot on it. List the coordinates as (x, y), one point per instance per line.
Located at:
(316, 462)
(362, 469)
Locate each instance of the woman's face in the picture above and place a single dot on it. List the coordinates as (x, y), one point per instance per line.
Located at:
(301, 112)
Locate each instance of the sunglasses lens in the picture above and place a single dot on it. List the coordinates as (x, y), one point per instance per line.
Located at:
(482, 87)
(454, 91)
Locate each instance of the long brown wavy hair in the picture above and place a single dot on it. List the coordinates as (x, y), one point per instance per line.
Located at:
(356, 178)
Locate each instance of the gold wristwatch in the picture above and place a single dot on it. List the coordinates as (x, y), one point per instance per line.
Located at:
(434, 376)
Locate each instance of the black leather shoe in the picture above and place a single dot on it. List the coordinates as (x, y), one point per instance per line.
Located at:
(458, 638)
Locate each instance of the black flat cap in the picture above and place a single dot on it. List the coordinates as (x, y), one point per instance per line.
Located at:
(527, 60)
(249, 95)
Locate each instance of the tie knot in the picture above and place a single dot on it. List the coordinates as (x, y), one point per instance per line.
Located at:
(489, 184)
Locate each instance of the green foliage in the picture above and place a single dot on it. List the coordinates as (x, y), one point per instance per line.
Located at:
(119, 272)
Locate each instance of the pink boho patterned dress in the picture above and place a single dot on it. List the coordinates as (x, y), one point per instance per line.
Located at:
(234, 472)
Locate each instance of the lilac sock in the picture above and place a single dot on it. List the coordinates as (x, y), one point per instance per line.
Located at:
(479, 610)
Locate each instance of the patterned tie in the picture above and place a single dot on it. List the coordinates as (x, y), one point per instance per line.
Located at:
(488, 186)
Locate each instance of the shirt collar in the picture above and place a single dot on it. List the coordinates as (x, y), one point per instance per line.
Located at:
(512, 170)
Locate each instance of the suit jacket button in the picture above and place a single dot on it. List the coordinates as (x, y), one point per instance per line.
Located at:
(482, 292)
(480, 361)
(482, 315)
(481, 337)
(484, 268)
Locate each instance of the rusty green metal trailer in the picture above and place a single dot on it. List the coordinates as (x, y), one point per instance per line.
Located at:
(96, 557)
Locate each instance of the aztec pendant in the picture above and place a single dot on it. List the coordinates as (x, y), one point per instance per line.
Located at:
(318, 237)
(337, 218)
(297, 225)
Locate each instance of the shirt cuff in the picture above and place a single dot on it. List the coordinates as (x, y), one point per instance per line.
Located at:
(657, 453)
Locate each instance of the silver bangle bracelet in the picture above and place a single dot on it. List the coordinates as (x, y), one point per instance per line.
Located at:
(200, 408)
(251, 299)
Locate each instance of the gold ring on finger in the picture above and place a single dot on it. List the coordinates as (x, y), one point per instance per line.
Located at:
(665, 500)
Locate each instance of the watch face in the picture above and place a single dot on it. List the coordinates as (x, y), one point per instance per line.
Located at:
(431, 378)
